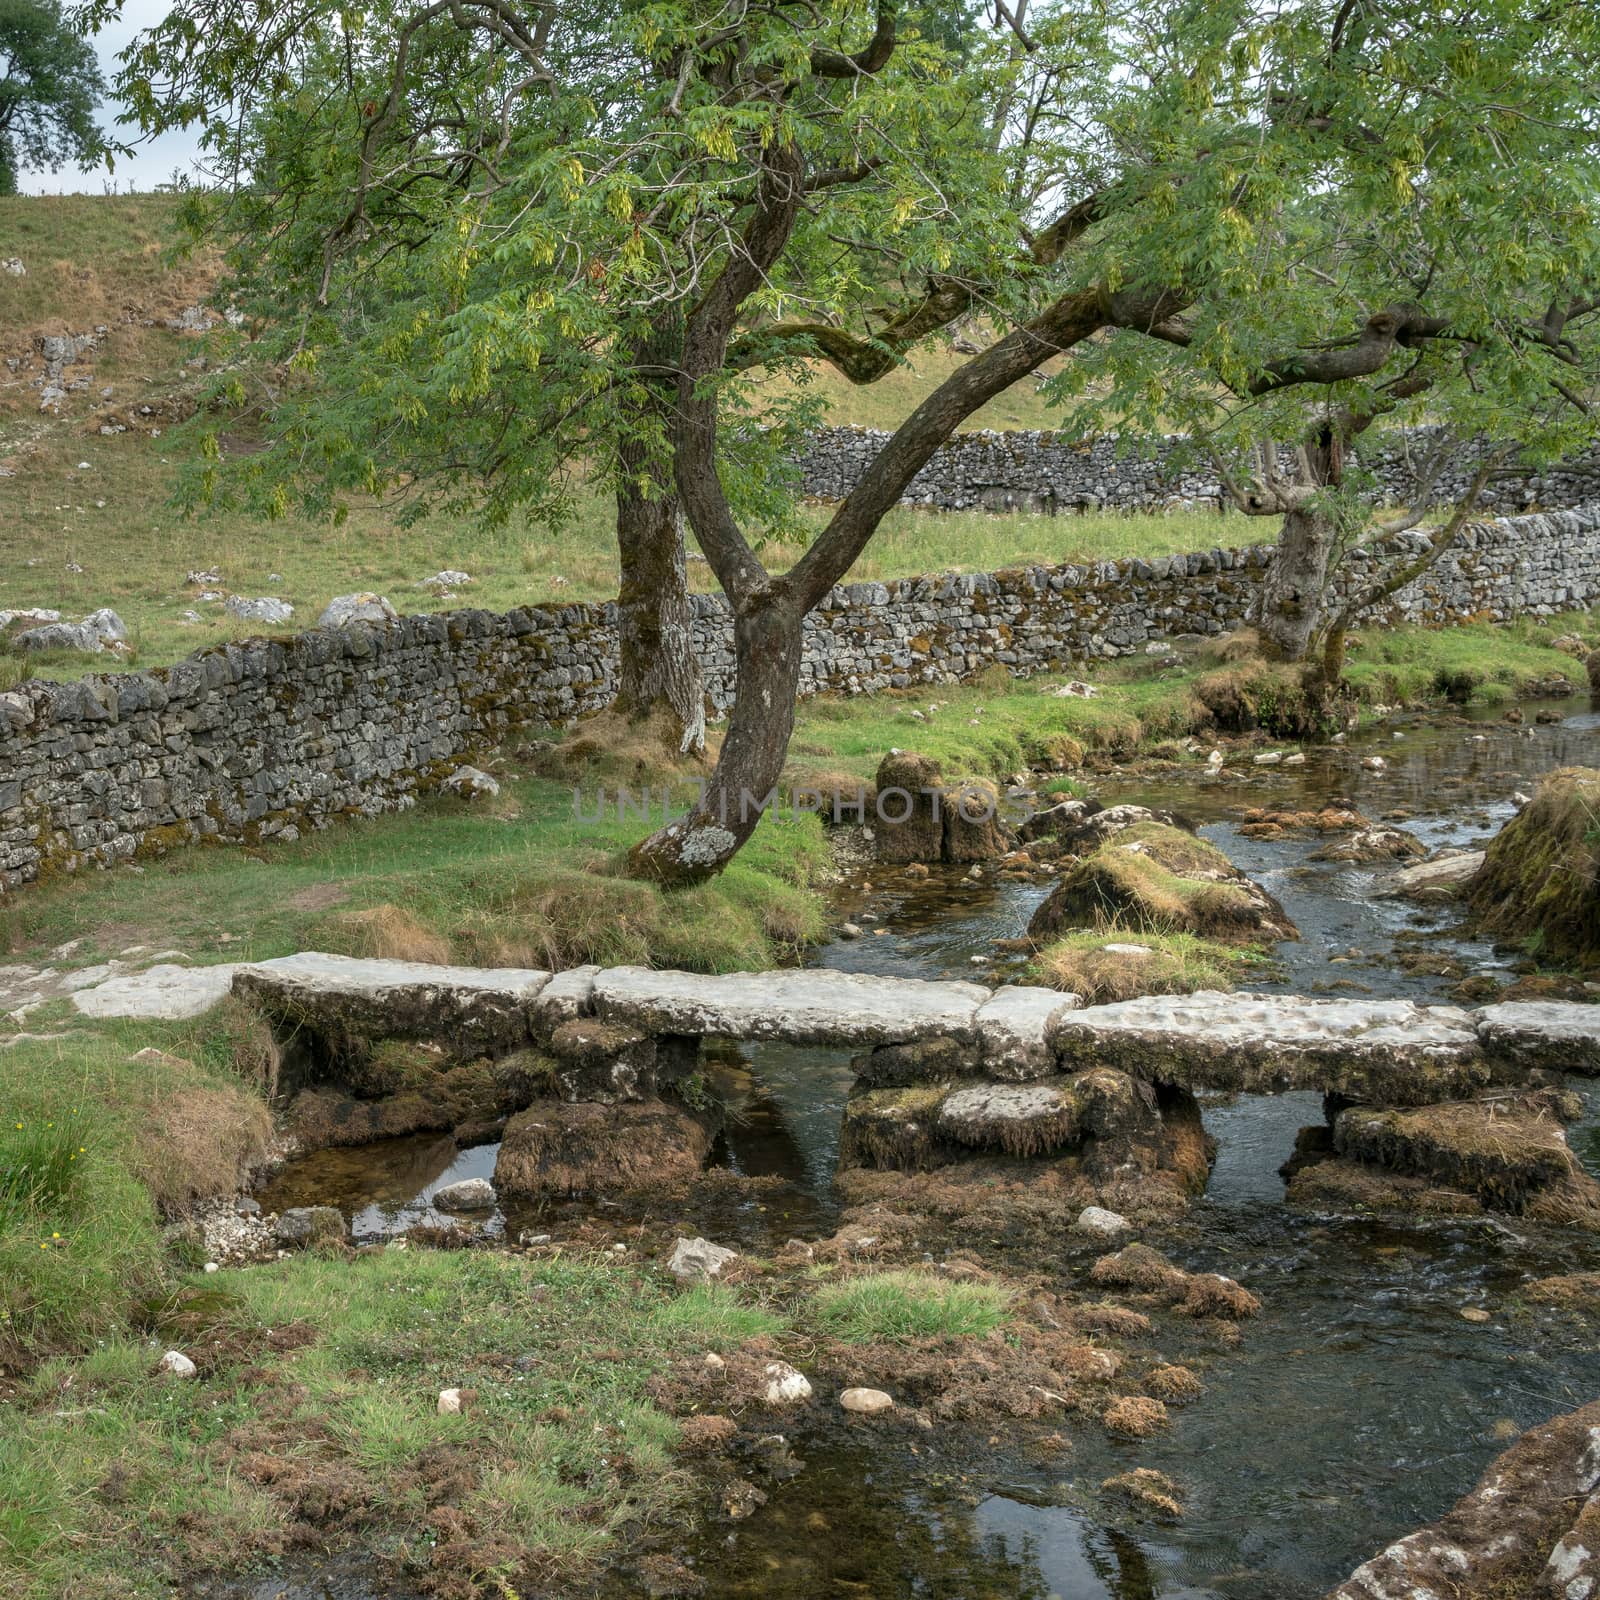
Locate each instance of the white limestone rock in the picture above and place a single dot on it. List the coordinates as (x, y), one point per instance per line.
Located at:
(799, 1007)
(1097, 1220)
(165, 992)
(344, 609)
(1016, 1030)
(568, 996)
(1386, 1052)
(471, 783)
(175, 1364)
(785, 1385)
(866, 1402)
(467, 1194)
(1438, 879)
(696, 1260)
(1561, 1034)
(267, 609)
(472, 1009)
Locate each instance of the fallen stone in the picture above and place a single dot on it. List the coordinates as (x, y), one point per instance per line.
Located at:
(1372, 844)
(1386, 1052)
(345, 609)
(267, 609)
(450, 578)
(471, 783)
(866, 1402)
(468, 1194)
(1501, 1539)
(162, 993)
(1439, 879)
(349, 1002)
(302, 1226)
(785, 1385)
(449, 1404)
(800, 1007)
(1021, 1119)
(175, 1364)
(1097, 1220)
(696, 1260)
(603, 1061)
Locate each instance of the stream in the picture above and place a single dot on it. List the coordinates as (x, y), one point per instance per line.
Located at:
(1358, 1405)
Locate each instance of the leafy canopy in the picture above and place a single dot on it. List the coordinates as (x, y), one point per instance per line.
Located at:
(50, 84)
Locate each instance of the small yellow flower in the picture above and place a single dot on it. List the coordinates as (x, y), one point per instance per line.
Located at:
(43, 1245)
(55, 1235)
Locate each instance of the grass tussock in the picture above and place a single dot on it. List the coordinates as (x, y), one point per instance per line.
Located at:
(1173, 963)
(1540, 881)
(905, 1306)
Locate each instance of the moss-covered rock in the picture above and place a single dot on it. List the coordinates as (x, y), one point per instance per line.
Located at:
(895, 1128)
(1540, 880)
(922, 817)
(603, 1061)
(1102, 967)
(922, 1061)
(555, 1148)
(1157, 877)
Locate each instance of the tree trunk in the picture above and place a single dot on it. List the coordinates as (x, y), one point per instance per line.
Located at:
(767, 645)
(1290, 608)
(658, 670)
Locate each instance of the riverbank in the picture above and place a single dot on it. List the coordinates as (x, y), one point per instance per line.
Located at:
(516, 879)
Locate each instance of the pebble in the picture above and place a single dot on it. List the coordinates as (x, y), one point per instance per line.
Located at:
(850, 931)
(786, 1385)
(469, 1194)
(1096, 1219)
(176, 1364)
(449, 1402)
(1474, 1314)
(866, 1402)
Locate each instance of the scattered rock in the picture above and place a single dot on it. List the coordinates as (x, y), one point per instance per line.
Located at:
(785, 1385)
(866, 1402)
(443, 582)
(267, 609)
(1437, 880)
(450, 1403)
(471, 783)
(345, 609)
(175, 1364)
(468, 1194)
(1097, 1220)
(697, 1260)
(301, 1227)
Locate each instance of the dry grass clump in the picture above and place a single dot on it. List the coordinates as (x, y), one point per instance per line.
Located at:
(1136, 1266)
(391, 933)
(1169, 963)
(1134, 1416)
(1148, 1490)
(1200, 1294)
(1175, 1385)
(634, 750)
(1209, 1294)
(555, 1149)
(198, 1142)
(1573, 1291)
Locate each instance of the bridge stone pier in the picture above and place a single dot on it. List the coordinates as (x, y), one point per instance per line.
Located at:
(560, 1065)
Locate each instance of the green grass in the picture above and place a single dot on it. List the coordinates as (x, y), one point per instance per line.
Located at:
(114, 1481)
(904, 1306)
(1496, 662)
(520, 882)
(1178, 963)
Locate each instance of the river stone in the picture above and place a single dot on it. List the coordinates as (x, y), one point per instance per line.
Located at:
(162, 993)
(1560, 1034)
(603, 1061)
(347, 1000)
(695, 1260)
(866, 1402)
(786, 1385)
(1016, 1034)
(555, 1149)
(1496, 1540)
(1431, 880)
(301, 1226)
(467, 1194)
(799, 1007)
(1388, 1052)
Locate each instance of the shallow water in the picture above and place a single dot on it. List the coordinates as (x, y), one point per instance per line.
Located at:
(1358, 1405)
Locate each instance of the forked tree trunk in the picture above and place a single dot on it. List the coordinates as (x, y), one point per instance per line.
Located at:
(767, 647)
(658, 671)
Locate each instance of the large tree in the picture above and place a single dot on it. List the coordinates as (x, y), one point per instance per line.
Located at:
(1234, 182)
(50, 84)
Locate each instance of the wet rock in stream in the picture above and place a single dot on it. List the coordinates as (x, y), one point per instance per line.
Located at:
(558, 1148)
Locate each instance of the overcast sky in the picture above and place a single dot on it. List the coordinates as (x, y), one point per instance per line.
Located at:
(153, 162)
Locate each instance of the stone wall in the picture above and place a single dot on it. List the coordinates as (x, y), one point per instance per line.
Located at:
(1048, 472)
(264, 738)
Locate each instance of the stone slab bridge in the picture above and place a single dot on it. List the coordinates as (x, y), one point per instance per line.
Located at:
(945, 1070)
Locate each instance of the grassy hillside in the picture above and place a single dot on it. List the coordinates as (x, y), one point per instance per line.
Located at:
(90, 521)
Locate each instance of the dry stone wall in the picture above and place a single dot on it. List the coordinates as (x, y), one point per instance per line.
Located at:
(1048, 472)
(264, 738)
